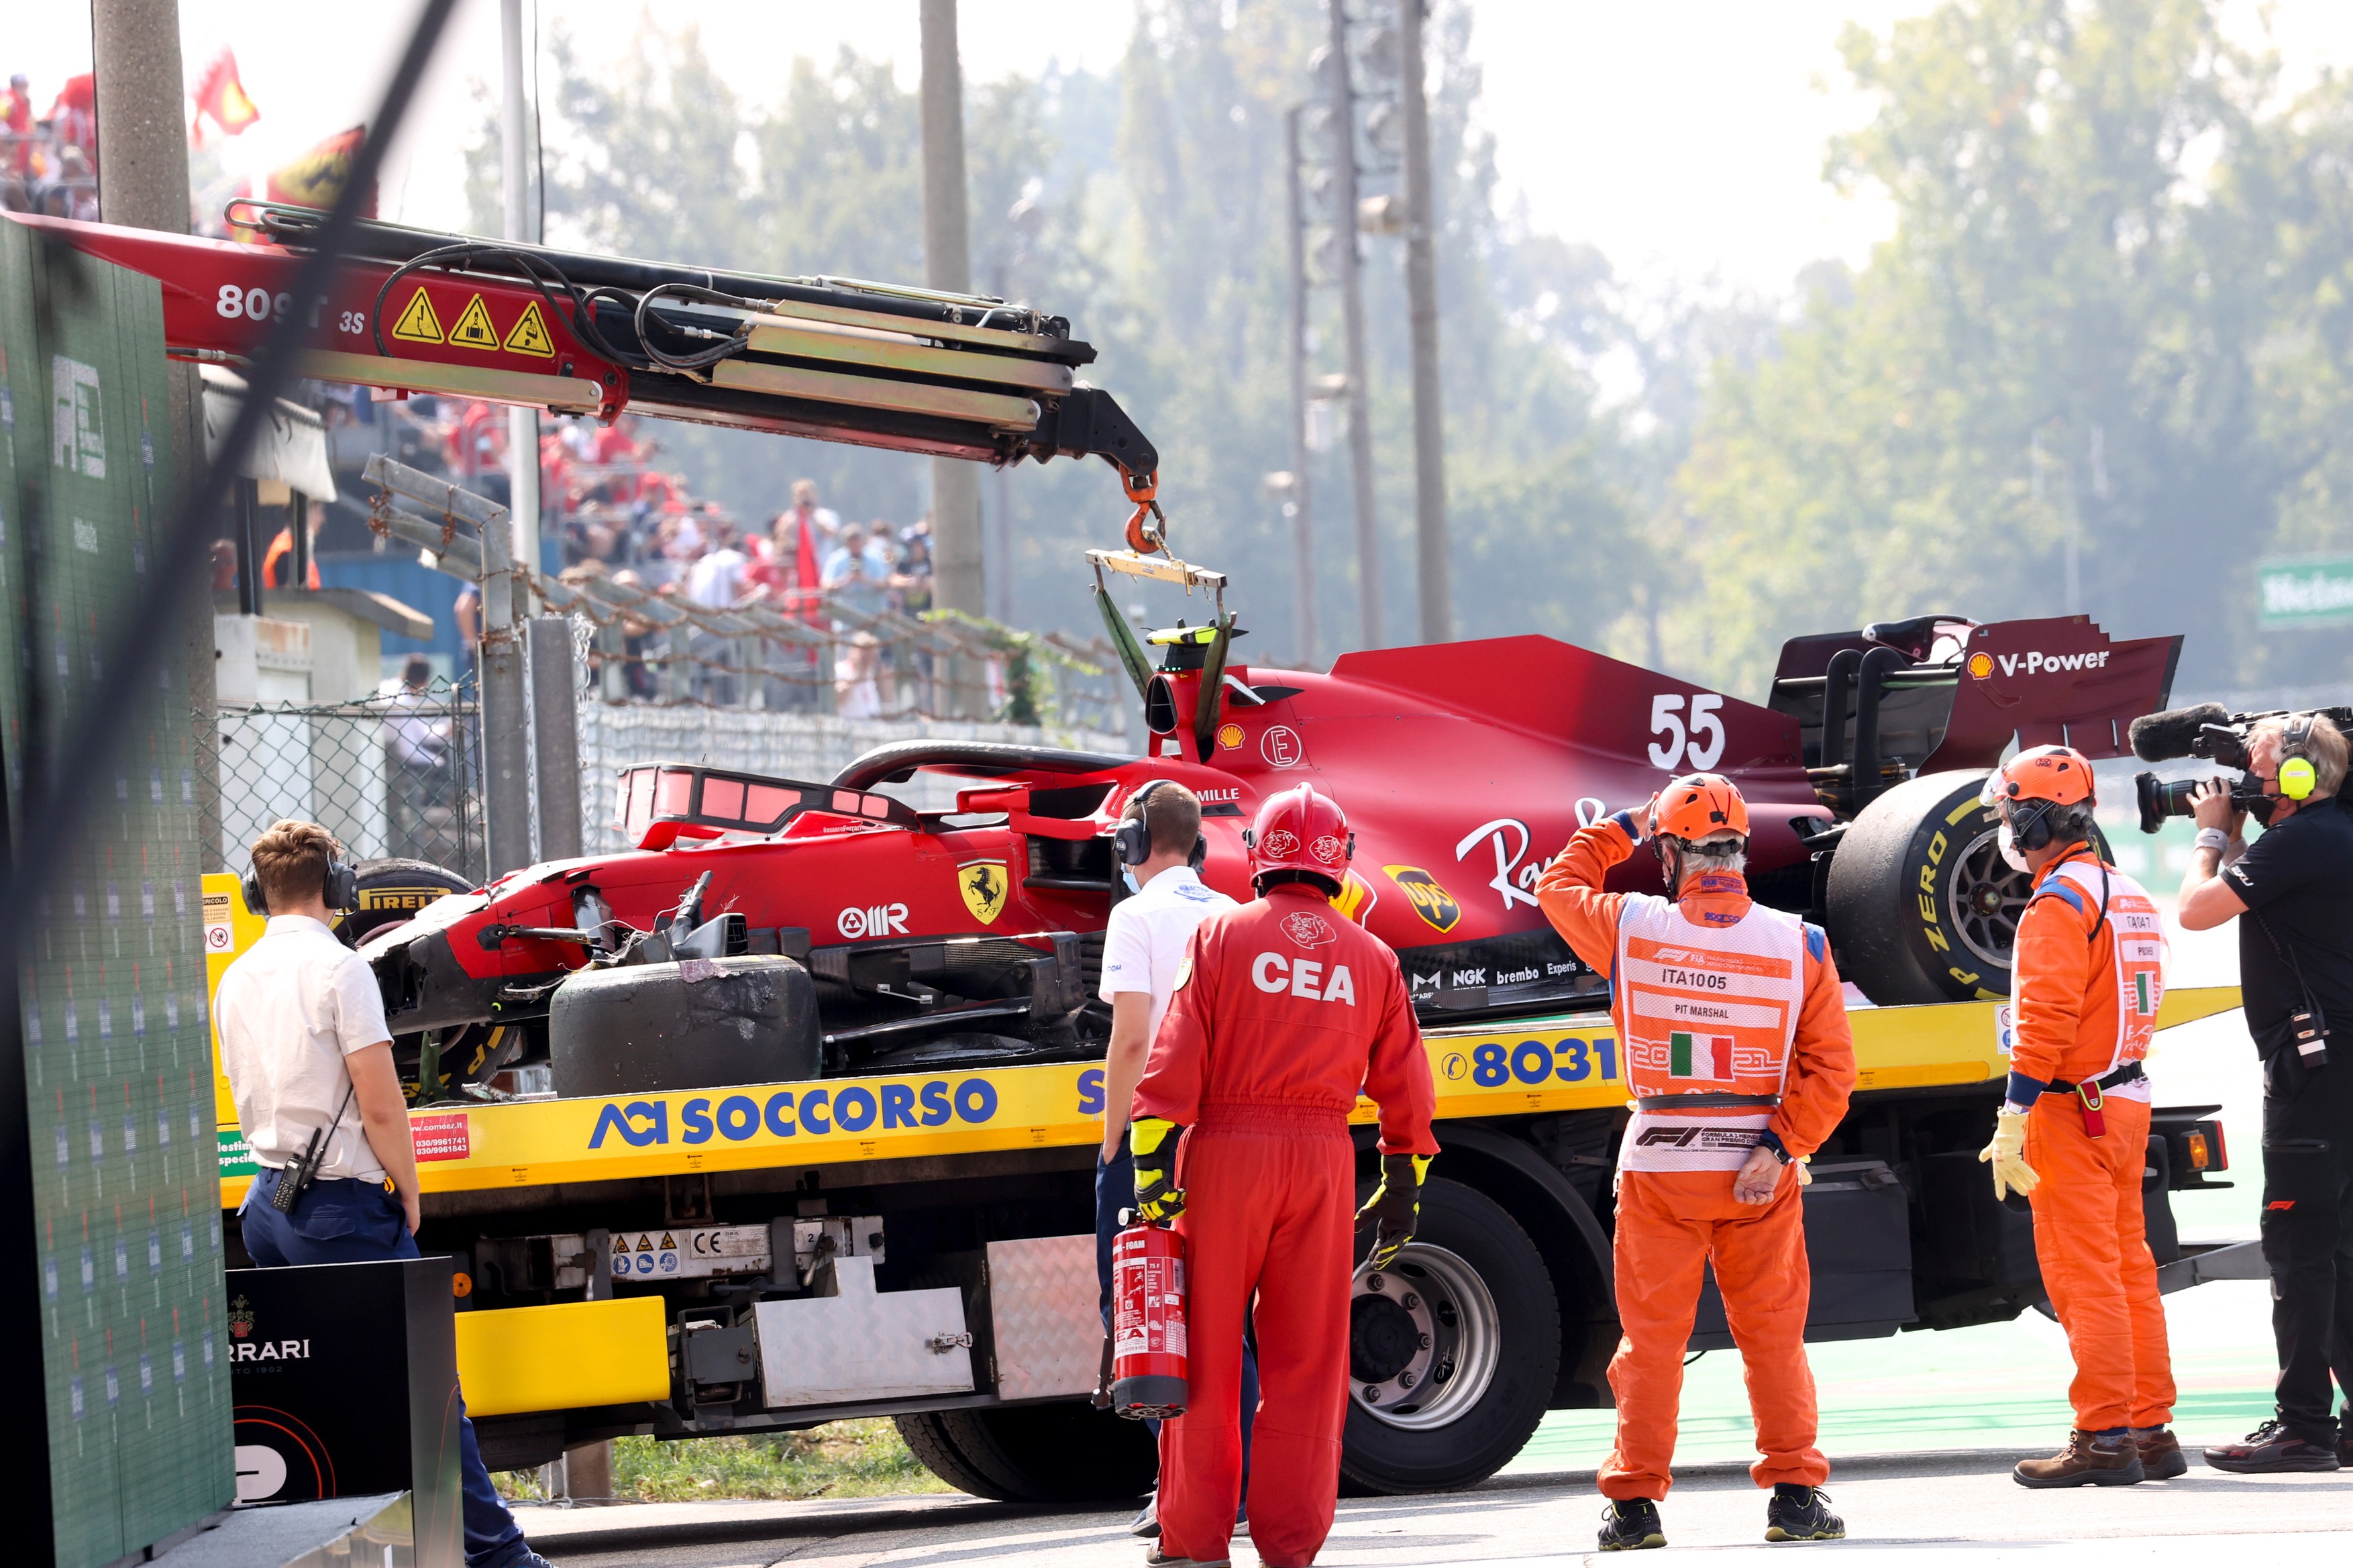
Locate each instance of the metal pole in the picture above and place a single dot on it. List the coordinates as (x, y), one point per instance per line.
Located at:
(1300, 532)
(1352, 311)
(522, 423)
(958, 573)
(298, 534)
(506, 720)
(249, 547)
(135, 53)
(555, 732)
(1421, 310)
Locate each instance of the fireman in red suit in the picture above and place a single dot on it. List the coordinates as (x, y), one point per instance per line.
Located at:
(1283, 1012)
(1738, 1055)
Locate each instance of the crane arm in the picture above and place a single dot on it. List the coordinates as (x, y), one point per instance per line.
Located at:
(829, 358)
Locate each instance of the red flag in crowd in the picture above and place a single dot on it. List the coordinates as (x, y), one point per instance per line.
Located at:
(316, 178)
(220, 95)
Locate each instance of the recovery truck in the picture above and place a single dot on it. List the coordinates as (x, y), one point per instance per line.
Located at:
(823, 1137)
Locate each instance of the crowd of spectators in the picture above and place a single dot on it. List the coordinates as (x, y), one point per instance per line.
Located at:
(49, 160)
(606, 504)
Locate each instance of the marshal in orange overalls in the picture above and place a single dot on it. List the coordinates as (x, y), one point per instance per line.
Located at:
(2087, 981)
(1717, 998)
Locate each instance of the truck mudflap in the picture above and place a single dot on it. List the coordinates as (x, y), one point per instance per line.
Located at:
(2208, 1263)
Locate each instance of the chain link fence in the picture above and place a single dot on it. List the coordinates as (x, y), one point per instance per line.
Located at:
(388, 775)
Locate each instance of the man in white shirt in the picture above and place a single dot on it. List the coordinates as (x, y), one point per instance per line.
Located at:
(306, 1049)
(1160, 847)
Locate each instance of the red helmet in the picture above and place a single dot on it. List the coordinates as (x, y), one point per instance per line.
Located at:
(1302, 829)
(1697, 806)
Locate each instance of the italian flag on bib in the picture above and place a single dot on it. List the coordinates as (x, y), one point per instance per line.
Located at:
(1700, 1056)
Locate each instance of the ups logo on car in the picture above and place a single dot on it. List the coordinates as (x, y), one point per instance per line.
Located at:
(1433, 903)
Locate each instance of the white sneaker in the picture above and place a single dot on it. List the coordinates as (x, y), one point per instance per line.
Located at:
(1147, 1523)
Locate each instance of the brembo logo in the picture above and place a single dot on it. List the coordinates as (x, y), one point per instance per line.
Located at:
(875, 919)
(2036, 663)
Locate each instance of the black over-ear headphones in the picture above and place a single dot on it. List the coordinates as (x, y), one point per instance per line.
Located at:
(343, 889)
(1134, 839)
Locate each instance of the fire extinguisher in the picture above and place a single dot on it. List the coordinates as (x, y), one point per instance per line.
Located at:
(1147, 1322)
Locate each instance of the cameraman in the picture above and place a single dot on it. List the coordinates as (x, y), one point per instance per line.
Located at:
(2296, 956)
(305, 1045)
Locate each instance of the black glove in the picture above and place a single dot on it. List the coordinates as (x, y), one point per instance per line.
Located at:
(1396, 1204)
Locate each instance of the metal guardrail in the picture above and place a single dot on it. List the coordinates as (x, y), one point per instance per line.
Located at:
(803, 651)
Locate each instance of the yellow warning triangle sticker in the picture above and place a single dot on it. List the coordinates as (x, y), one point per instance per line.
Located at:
(668, 1245)
(473, 329)
(530, 334)
(418, 324)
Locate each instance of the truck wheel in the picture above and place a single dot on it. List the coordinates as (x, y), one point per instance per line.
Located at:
(1452, 1351)
(1064, 1452)
(928, 1440)
(1922, 906)
(392, 889)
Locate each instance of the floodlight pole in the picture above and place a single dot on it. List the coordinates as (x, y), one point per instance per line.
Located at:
(1421, 309)
(1301, 531)
(522, 423)
(1352, 311)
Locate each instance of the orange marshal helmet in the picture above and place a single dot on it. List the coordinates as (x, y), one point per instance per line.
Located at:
(1698, 805)
(2025, 790)
(2060, 774)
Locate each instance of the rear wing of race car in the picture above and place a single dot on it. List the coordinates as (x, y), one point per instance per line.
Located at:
(830, 358)
(1941, 691)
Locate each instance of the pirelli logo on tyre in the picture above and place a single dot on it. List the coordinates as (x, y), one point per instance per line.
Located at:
(1432, 901)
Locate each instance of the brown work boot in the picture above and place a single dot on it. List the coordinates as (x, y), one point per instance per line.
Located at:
(2089, 1460)
(2162, 1457)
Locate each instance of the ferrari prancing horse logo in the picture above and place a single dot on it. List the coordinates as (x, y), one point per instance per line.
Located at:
(983, 884)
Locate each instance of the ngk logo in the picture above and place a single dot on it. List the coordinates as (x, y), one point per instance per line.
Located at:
(875, 919)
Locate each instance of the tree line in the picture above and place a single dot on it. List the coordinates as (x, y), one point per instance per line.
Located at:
(2103, 363)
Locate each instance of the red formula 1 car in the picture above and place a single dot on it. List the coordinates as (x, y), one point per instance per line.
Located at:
(766, 928)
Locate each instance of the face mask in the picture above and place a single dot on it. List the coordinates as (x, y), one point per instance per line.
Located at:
(2261, 807)
(1128, 875)
(2010, 852)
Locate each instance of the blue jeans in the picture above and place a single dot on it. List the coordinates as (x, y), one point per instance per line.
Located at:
(359, 1222)
(1116, 1190)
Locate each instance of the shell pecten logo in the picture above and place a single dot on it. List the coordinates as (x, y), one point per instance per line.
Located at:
(1980, 665)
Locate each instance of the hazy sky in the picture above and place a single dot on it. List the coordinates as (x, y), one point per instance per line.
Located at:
(1683, 137)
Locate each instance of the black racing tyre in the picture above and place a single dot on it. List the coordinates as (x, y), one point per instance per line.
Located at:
(393, 889)
(1064, 1452)
(1922, 906)
(1453, 1350)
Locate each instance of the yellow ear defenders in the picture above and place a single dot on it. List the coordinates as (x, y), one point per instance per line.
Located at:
(2298, 777)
